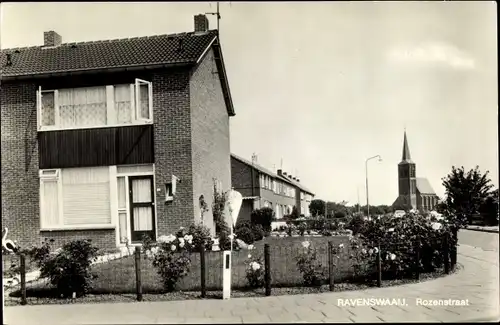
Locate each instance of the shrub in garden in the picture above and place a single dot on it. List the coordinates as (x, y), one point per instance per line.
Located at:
(255, 272)
(311, 269)
(263, 217)
(258, 232)
(302, 227)
(290, 229)
(67, 269)
(245, 233)
(171, 258)
(201, 236)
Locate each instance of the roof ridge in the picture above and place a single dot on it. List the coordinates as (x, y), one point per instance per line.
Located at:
(11, 49)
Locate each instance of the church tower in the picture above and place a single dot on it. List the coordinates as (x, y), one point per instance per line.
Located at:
(407, 179)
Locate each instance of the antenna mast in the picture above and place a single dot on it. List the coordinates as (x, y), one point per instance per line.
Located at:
(216, 14)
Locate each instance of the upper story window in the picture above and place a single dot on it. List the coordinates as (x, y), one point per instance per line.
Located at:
(101, 106)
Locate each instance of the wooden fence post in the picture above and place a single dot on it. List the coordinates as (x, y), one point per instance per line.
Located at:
(454, 252)
(267, 267)
(446, 253)
(379, 268)
(22, 271)
(417, 260)
(330, 265)
(203, 272)
(138, 281)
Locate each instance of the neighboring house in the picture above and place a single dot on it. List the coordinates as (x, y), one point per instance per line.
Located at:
(113, 140)
(414, 192)
(261, 188)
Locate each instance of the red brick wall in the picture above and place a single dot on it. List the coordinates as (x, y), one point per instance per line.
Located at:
(20, 187)
(241, 178)
(210, 136)
(172, 143)
(101, 238)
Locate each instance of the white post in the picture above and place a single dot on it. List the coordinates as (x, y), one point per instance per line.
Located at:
(232, 207)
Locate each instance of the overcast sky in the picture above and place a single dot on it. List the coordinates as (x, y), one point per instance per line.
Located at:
(323, 86)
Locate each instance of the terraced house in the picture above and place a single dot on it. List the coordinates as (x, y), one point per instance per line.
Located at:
(113, 140)
(261, 187)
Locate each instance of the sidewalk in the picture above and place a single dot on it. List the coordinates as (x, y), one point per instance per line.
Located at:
(478, 282)
(493, 229)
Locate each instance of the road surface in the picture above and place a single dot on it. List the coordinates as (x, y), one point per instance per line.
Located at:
(485, 240)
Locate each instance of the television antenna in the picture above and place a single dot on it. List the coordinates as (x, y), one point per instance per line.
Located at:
(217, 13)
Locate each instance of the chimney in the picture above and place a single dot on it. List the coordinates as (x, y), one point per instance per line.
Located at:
(280, 172)
(51, 38)
(298, 180)
(200, 23)
(290, 176)
(284, 174)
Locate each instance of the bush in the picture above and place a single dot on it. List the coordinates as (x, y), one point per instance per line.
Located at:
(263, 217)
(201, 236)
(171, 258)
(258, 232)
(255, 272)
(311, 269)
(302, 227)
(245, 234)
(68, 269)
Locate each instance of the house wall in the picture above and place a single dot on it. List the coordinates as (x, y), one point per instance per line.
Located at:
(241, 178)
(210, 137)
(20, 154)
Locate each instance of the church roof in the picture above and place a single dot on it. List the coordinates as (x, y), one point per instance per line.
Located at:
(424, 187)
(406, 158)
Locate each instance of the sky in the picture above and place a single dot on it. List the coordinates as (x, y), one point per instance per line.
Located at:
(319, 87)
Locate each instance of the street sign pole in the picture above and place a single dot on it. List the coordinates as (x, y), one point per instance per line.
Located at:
(232, 209)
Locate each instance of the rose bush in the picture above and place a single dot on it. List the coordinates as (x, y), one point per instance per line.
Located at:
(255, 272)
(309, 266)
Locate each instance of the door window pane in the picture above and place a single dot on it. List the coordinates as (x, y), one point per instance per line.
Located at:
(122, 198)
(122, 219)
(143, 219)
(141, 190)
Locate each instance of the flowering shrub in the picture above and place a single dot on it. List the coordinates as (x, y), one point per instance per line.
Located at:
(171, 257)
(311, 269)
(400, 237)
(290, 229)
(68, 268)
(255, 272)
(302, 227)
(201, 236)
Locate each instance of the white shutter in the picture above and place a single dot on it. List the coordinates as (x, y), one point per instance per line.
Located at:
(86, 196)
(49, 203)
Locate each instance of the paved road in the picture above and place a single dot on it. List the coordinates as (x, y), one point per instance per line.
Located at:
(478, 282)
(484, 240)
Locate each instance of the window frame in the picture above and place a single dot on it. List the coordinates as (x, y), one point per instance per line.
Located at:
(110, 106)
(61, 226)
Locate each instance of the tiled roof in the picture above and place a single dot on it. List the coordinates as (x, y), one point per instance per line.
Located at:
(424, 187)
(69, 57)
(272, 174)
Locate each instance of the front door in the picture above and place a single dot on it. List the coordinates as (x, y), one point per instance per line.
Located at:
(142, 208)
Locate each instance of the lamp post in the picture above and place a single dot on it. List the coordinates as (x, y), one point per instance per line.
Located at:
(366, 173)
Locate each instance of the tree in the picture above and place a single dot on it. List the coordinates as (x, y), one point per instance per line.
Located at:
(465, 193)
(489, 209)
(317, 207)
(263, 217)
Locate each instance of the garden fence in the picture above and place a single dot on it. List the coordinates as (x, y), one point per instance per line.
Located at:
(337, 262)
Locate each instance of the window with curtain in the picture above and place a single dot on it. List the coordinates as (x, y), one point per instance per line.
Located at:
(99, 106)
(80, 107)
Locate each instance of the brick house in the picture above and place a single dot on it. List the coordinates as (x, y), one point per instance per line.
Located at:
(261, 187)
(414, 192)
(112, 140)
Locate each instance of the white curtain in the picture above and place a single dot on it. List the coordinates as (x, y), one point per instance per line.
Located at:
(86, 196)
(129, 169)
(123, 105)
(82, 107)
(48, 109)
(122, 195)
(144, 101)
(50, 203)
(141, 190)
(122, 216)
(143, 219)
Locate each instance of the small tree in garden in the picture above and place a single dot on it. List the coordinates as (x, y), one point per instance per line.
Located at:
(68, 269)
(263, 217)
(219, 202)
(317, 207)
(465, 193)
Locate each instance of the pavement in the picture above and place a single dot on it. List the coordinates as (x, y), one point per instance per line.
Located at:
(476, 284)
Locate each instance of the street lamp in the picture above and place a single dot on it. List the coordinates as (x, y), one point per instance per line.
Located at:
(366, 173)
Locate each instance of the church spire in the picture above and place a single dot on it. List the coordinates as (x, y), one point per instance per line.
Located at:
(406, 150)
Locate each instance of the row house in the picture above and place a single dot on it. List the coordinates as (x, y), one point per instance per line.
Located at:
(261, 188)
(113, 140)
